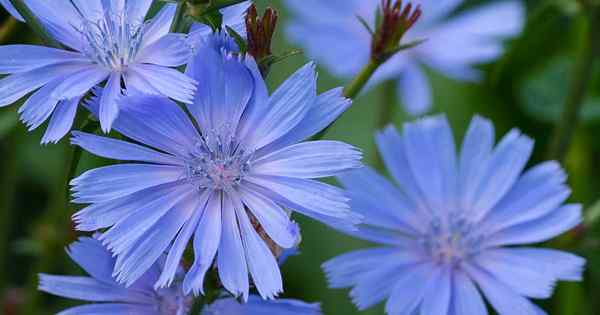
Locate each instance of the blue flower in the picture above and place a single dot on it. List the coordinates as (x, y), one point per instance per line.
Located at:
(257, 306)
(108, 41)
(221, 183)
(331, 33)
(449, 230)
(110, 297)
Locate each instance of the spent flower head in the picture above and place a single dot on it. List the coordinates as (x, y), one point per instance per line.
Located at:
(450, 230)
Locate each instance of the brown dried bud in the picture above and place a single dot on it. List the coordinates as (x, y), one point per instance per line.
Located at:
(260, 32)
(396, 20)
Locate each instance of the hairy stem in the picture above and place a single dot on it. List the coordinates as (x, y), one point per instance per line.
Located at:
(582, 74)
(34, 23)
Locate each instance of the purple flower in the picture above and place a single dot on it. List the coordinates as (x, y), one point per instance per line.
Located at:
(221, 183)
(331, 33)
(449, 231)
(257, 306)
(108, 41)
(110, 297)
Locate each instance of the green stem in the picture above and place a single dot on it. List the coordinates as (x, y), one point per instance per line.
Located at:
(564, 130)
(177, 24)
(89, 125)
(386, 112)
(34, 23)
(54, 229)
(359, 82)
(8, 180)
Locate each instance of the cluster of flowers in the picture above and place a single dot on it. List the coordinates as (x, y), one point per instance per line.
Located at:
(225, 171)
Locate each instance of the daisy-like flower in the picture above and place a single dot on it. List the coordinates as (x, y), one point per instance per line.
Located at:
(453, 46)
(450, 230)
(226, 184)
(108, 296)
(258, 306)
(108, 41)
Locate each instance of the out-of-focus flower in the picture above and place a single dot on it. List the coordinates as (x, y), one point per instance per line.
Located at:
(449, 230)
(11, 9)
(108, 296)
(108, 41)
(331, 33)
(257, 306)
(226, 184)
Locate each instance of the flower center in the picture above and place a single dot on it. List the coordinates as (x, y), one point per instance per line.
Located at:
(452, 241)
(172, 301)
(219, 162)
(112, 41)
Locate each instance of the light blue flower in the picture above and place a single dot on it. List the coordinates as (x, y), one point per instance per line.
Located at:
(11, 9)
(257, 306)
(219, 183)
(450, 228)
(330, 33)
(108, 41)
(108, 296)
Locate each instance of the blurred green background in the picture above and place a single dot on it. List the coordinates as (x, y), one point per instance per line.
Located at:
(526, 88)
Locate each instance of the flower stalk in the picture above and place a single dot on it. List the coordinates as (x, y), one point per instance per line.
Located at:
(582, 74)
(394, 20)
(34, 23)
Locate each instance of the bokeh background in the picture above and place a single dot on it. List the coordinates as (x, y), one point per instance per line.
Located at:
(526, 88)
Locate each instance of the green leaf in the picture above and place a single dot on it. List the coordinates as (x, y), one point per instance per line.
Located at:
(543, 94)
(8, 122)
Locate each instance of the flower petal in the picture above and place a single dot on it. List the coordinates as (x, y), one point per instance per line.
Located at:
(171, 50)
(62, 120)
(231, 261)
(18, 85)
(80, 82)
(312, 159)
(272, 218)
(261, 263)
(22, 58)
(140, 256)
(121, 150)
(207, 239)
(287, 108)
(466, 298)
(173, 261)
(169, 82)
(110, 182)
(109, 110)
(538, 230)
(414, 90)
(504, 300)
(223, 80)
